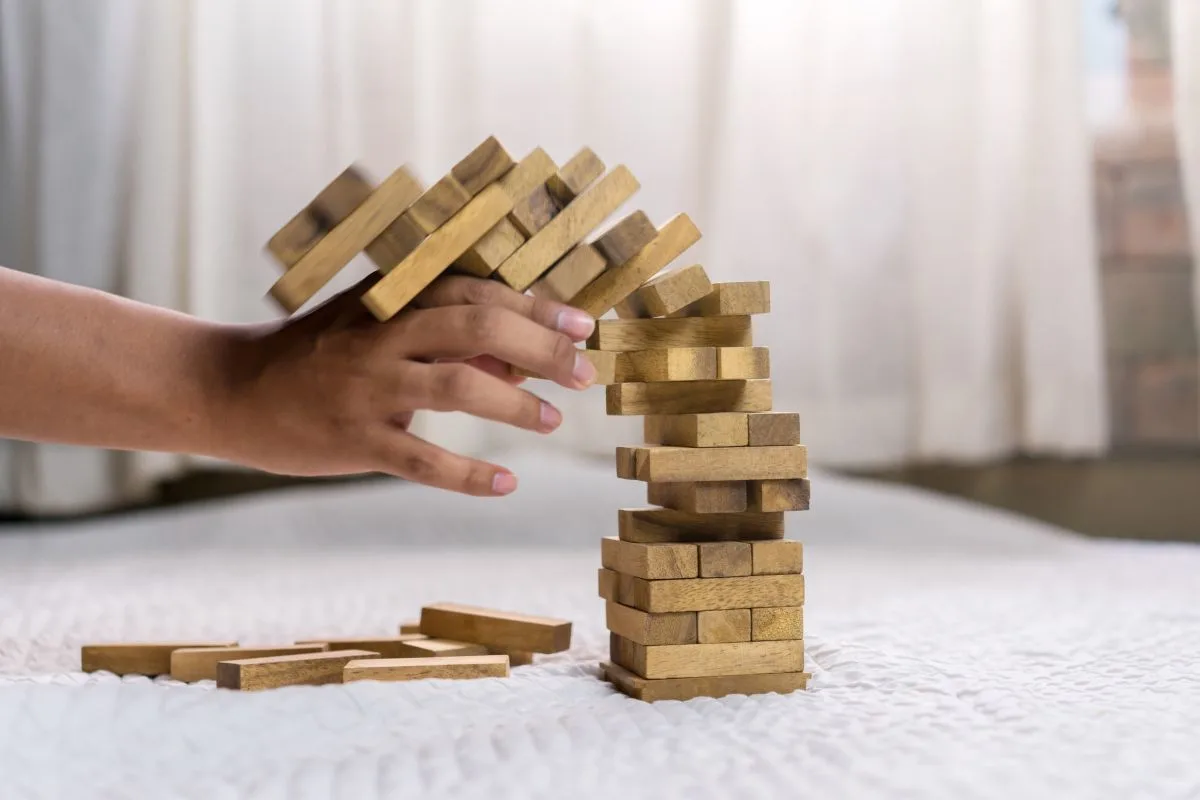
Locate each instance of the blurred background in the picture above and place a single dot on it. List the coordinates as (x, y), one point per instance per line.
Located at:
(974, 213)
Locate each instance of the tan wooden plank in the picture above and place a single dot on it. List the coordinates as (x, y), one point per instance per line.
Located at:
(190, 664)
(705, 594)
(579, 267)
(385, 646)
(687, 397)
(670, 464)
(670, 560)
(495, 628)
(580, 172)
(743, 363)
(725, 625)
(652, 691)
(486, 163)
(415, 669)
(396, 242)
(333, 204)
(428, 647)
(438, 204)
(270, 672)
(607, 584)
(731, 299)
(777, 624)
(531, 172)
(724, 559)
(773, 429)
(782, 557)
(626, 467)
(708, 497)
(720, 429)
(666, 293)
(626, 238)
(657, 334)
(643, 628)
(410, 626)
(516, 658)
(703, 660)
(669, 364)
(783, 495)
(498, 244)
(655, 525)
(136, 658)
(534, 212)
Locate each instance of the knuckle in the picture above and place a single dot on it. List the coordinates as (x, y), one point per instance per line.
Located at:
(451, 381)
(483, 323)
(481, 292)
(420, 467)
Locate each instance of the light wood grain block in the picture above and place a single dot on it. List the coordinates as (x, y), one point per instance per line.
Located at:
(658, 334)
(579, 267)
(670, 364)
(271, 672)
(568, 228)
(333, 204)
(782, 557)
(652, 691)
(486, 163)
(410, 626)
(618, 282)
(136, 658)
(415, 669)
(335, 250)
(724, 559)
(703, 660)
(396, 242)
(731, 299)
(626, 238)
(385, 646)
(687, 397)
(423, 265)
(607, 584)
(427, 647)
(617, 587)
(666, 293)
(721, 429)
(494, 628)
(705, 594)
(534, 212)
(580, 172)
(498, 244)
(190, 664)
(671, 464)
(743, 363)
(605, 362)
(651, 560)
(643, 628)
(773, 429)
(777, 624)
(438, 204)
(626, 463)
(531, 172)
(726, 625)
(708, 497)
(652, 525)
(516, 658)
(787, 495)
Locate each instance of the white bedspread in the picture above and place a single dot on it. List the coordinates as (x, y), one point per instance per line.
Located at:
(956, 653)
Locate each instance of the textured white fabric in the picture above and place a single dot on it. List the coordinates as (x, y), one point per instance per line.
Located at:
(956, 652)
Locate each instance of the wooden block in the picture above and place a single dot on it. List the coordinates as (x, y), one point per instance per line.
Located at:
(415, 669)
(608, 584)
(667, 293)
(626, 467)
(136, 658)
(791, 495)
(703, 660)
(395, 244)
(385, 646)
(708, 497)
(728, 625)
(568, 228)
(782, 557)
(687, 397)
(775, 429)
(575, 176)
(425, 647)
(725, 560)
(498, 244)
(626, 238)
(524, 179)
(651, 560)
(333, 204)
(743, 363)
(335, 250)
(777, 624)
(706, 594)
(731, 299)
(534, 212)
(579, 267)
(270, 672)
(652, 691)
(200, 663)
(422, 266)
(410, 626)
(696, 430)
(616, 283)
(671, 464)
(486, 163)
(605, 362)
(655, 525)
(643, 628)
(516, 658)
(671, 364)
(438, 204)
(501, 629)
(657, 334)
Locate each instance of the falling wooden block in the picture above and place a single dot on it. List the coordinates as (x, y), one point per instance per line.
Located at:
(385, 646)
(333, 204)
(136, 658)
(579, 267)
(651, 560)
(270, 672)
(438, 204)
(652, 691)
(708, 497)
(775, 429)
(486, 163)
(670, 464)
(786, 495)
(658, 334)
(190, 664)
(426, 647)
(727, 625)
(687, 397)
(525, 178)
(410, 626)
(666, 293)
(743, 363)
(724, 560)
(415, 669)
(643, 628)
(655, 525)
(777, 624)
(395, 244)
(500, 629)
(782, 557)
(580, 172)
(702, 660)
(626, 238)
(486, 255)
(534, 212)
(696, 430)
(731, 299)
(703, 594)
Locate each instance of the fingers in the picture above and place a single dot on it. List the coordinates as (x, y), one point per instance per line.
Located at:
(461, 387)
(494, 366)
(407, 456)
(459, 290)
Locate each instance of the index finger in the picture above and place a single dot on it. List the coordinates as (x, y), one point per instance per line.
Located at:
(461, 290)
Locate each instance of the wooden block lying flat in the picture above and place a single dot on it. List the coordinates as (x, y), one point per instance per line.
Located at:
(534, 212)
(696, 430)
(426, 647)
(730, 299)
(482, 258)
(385, 646)
(415, 669)
(782, 557)
(136, 658)
(774, 429)
(335, 202)
(724, 560)
(501, 629)
(575, 176)
(516, 658)
(626, 238)
(777, 624)
(579, 267)
(626, 467)
(643, 628)
(743, 363)
(438, 204)
(703, 660)
(687, 397)
(728, 625)
(655, 525)
(616, 283)
(709, 497)
(607, 584)
(311, 669)
(335, 250)
(200, 663)
(410, 626)
(639, 366)
(703, 594)
(657, 334)
(654, 561)
(652, 691)
(667, 293)
(790, 495)
(422, 266)
(486, 163)
(670, 464)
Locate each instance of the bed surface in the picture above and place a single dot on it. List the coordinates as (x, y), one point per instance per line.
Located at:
(955, 653)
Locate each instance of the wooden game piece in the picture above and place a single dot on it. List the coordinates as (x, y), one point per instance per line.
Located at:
(438, 204)
(414, 669)
(687, 397)
(704, 594)
(335, 250)
(781, 557)
(699, 497)
(566, 230)
(501, 629)
(616, 283)
(271, 672)
(703, 660)
(658, 525)
(436, 253)
(579, 267)
(670, 364)
(666, 293)
(395, 244)
(731, 299)
(607, 584)
(575, 176)
(525, 178)
(670, 464)
(410, 626)
(643, 628)
(516, 658)
(651, 560)
(335, 202)
(606, 363)
(626, 238)
(385, 646)
(651, 691)
(777, 624)
(534, 212)
(493, 248)
(727, 625)
(720, 429)
(657, 334)
(773, 429)
(136, 658)
(425, 647)
(486, 163)
(724, 559)
(785, 495)
(626, 466)
(743, 363)
(190, 664)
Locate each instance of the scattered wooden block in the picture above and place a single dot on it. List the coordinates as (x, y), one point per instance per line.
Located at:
(579, 267)
(777, 624)
(784, 495)
(534, 212)
(425, 647)
(725, 560)
(774, 429)
(486, 255)
(438, 204)
(271, 672)
(707, 497)
(501, 629)
(136, 658)
(727, 625)
(575, 176)
(333, 204)
(731, 299)
(643, 628)
(410, 626)
(670, 464)
(720, 429)
(651, 691)
(703, 594)
(190, 664)
(781, 557)
(687, 397)
(703, 660)
(666, 293)
(626, 238)
(657, 334)
(656, 525)
(743, 363)
(669, 560)
(385, 646)
(516, 658)
(414, 669)
(486, 163)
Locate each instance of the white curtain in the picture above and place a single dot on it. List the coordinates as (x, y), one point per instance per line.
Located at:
(911, 175)
(1185, 54)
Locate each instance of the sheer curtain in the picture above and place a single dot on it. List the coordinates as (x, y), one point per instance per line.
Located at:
(911, 175)
(1185, 55)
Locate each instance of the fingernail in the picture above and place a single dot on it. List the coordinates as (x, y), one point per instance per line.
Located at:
(575, 323)
(551, 417)
(584, 371)
(504, 482)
